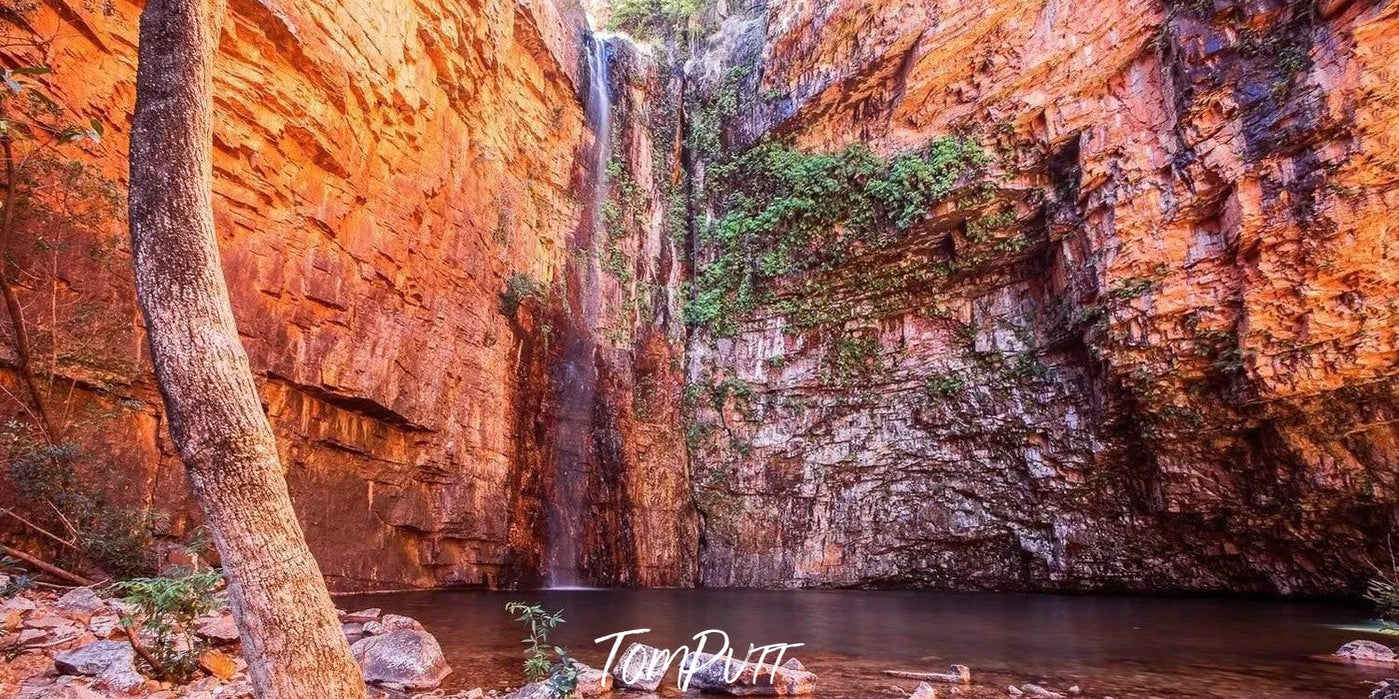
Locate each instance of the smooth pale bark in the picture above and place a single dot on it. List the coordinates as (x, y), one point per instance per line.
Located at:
(292, 640)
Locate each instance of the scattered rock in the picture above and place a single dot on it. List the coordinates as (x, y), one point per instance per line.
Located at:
(794, 664)
(1039, 692)
(104, 625)
(713, 674)
(1014, 691)
(640, 667)
(923, 691)
(533, 690)
(353, 632)
(46, 621)
(389, 623)
(95, 658)
(592, 682)
(18, 604)
(81, 599)
(361, 616)
(1387, 689)
(219, 630)
(956, 674)
(405, 660)
(1366, 652)
(218, 664)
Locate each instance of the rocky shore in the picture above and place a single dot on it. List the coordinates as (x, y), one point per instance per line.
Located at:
(73, 646)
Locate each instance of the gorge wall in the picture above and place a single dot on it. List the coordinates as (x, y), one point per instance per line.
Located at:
(1135, 327)
(1146, 341)
(396, 199)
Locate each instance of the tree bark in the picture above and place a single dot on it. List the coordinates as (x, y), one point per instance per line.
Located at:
(292, 640)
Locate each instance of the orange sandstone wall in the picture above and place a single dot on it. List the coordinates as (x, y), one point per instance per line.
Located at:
(382, 168)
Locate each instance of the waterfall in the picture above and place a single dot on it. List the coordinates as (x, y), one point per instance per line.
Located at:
(575, 377)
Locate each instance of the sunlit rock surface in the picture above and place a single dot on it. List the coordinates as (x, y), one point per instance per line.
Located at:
(1175, 370)
(1171, 369)
(381, 172)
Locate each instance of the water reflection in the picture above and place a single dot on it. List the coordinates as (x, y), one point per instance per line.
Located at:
(1124, 647)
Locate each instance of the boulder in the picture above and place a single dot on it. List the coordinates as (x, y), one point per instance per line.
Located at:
(725, 675)
(533, 690)
(794, 664)
(104, 625)
(82, 600)
(592, 682)
(1366, 652)
(361, 616)
(1038, 692)
(113, 663)
(353, 632)
(389, 623)
(218, 664)
(219, 630)
(1387, 689)
(923, 691)
(640, 667)
(18, 604)
(404, 660)
(95, 658)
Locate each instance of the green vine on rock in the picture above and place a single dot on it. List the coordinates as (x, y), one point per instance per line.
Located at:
(788, 212)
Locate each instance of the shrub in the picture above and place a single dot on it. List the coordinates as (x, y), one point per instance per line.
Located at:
(19, 581)
(562, 674)
(519, 288)
(117, 539)
(652, 19)
(789, 212)
(165, 609)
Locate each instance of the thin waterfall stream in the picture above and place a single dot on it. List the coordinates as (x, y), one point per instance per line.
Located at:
(576, 375)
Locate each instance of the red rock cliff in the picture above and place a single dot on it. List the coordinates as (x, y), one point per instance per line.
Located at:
(1161, 355)
(382, 173)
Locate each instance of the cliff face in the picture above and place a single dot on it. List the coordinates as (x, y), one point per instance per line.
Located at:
(383, 174)
(1104, 300)
(1151, 347)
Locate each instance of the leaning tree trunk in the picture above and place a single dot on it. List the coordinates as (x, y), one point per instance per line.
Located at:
(292, 640)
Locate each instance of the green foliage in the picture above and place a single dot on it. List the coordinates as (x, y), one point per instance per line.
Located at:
(789, 212)
(519, 288)
(164, 608)
(854, 358)
(119, 540)
(943, 385)
(19, 579)
(1131, 288)
(653, 19)
(562, 674)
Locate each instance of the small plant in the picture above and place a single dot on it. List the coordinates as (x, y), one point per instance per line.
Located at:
(653, 19)
(943, 385)
(19, 580)
(562, 674)
(48, 485)
(519, 288)
(164, 610)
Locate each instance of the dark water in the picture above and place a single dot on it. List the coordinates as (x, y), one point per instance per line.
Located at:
(1124, 647)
